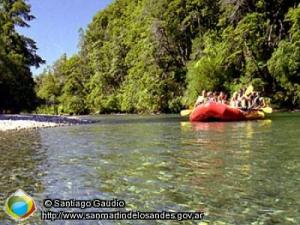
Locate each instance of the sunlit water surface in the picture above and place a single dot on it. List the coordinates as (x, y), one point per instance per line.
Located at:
(237, 173)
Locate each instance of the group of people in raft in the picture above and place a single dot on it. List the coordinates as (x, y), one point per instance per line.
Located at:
(240, 99)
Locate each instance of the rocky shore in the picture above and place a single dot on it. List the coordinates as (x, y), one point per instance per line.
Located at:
(19, 122)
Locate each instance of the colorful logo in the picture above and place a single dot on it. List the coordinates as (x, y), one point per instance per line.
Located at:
(20, 206)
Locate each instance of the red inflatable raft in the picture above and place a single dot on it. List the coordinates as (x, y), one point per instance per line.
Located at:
(221, 112)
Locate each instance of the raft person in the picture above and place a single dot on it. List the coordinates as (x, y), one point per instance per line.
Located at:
(240, 99)
(257, 102)
(222, 98)
(234, 100)
(210, 97)
(201, 99)
(247, 101)
(225, 99)
(215, 96)
(244, 101)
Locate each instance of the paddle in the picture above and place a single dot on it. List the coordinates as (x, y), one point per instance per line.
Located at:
(267, 110)
(185, 112)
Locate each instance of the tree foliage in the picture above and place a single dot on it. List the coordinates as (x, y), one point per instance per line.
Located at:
(284, 64)
(17, 54)
(156, 56)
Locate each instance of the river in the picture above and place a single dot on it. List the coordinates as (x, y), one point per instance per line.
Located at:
(236, 173)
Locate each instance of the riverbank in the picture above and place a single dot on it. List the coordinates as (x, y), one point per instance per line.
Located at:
(23, 121)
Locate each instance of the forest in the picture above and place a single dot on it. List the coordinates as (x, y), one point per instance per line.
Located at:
(17, 55)
(147, 56)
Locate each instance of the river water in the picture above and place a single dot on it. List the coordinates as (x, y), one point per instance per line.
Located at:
(236, 173)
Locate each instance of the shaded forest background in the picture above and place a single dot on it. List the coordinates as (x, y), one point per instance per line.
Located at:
(157, 56)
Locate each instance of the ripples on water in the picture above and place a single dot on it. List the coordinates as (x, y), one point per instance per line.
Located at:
(237, 173)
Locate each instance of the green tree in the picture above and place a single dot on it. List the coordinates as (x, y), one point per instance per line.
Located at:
(285, 63)
(17, 54)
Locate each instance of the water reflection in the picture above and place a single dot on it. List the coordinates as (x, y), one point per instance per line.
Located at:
(245, 178)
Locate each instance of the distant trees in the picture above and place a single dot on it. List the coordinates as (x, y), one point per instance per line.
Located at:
(284, 64)
(17, 54)
(156, 56)
(254, 41)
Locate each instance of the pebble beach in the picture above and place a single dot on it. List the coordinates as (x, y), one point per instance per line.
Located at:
(20, 122)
